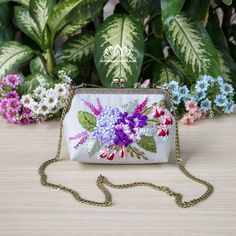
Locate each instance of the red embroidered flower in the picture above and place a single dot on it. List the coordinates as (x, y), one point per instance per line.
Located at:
(158, 112)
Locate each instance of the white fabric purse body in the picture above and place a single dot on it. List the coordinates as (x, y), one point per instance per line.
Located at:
(120, 126)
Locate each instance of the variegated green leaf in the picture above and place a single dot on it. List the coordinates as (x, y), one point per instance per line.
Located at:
(119, 47)
(37, 66)
(192, 45)
(227, 2)
(139, 8)
(26, 23)
(13, 54)
(34, 80)
(57, 19)
(5, 15)
(40, 11)
(77, 49)
(169, 9)
(7, 33)
(22, 2)
(70, 69)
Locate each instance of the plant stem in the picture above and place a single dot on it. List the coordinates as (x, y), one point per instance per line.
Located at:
(151, 56)
(50, 61)
(151, 18)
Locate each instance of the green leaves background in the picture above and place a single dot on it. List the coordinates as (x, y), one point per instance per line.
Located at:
(159, 39)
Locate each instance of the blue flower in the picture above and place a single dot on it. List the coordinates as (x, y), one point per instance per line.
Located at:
(221, 101)
(209, 79)
(104, 130)
(220, 80)
(229, 108)
(202, 85)
(200, 95)
(226, 88)
(184, 92)
(176, 97)
(206, 105)
(173, 85)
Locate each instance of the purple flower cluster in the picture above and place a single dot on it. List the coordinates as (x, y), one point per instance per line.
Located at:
(126, 128)
(10, 105)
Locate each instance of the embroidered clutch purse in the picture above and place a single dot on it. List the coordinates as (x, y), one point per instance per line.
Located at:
(120, 126)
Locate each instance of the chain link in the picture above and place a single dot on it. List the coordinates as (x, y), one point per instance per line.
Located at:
(102, 181)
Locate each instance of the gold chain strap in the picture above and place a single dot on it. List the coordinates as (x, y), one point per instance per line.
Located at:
(102, 180)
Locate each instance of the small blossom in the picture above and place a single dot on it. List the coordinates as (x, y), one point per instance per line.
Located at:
(187, 119)
(26, 100)
(191, 106)
(184, 92)
(229, 108)
(61, 89)
(226, 88)
(202, 85)
(11, 80)
(103, 153)
(112, 156)
(39, 91)
(158, 111)
(206, 105)
(12, 94)
(163, 131)
(221, 100)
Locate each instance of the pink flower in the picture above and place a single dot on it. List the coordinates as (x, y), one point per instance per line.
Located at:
(141, 106)
(197, 115)
(145, 83)
(27, 112)
(11, 80)
(163, 131)
(167, 120)
(24, 121)
(10, 116)
(187, 119)
(191, 106)
(4, 104)
(12, 94)
(158, 111)
(96, 111)
(103, 153)
(123, 152)
(111, 156)
(14, 104)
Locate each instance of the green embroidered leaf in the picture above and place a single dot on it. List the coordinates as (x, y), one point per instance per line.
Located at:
(77, 49)
(148, 131)
(147, 143)
(13, 54)
(40, 11)
(26, 23)
(93, 146)
(119, 47)
(129, 107)
(34, 80)
(192, 45)
(71, 70)
(36, 65)
(139, 8)
(87, 120)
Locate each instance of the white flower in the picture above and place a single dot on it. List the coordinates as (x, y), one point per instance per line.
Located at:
(34, 106)
(26, 100)
(44, 108)
(61, 89)
(39, 91)
(51, 99)
(55, 109)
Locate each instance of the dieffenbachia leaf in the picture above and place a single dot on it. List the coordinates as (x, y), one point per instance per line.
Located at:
(77, 49)
(7, 33)
(22, 2)
(57, 19)
(87, 120)
(37, 66)
(193, 46)
(147, 143)
(70, 69)
(139, 8)
(34, 80)
(40, 11)
(5, 15)
(169, 9)
(227, 2)
(13, 54)
(119, 47)
(26, 23)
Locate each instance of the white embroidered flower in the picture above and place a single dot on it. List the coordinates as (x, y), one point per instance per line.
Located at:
(26, 100)
(39, 91)
(61, 89)
(44, 108)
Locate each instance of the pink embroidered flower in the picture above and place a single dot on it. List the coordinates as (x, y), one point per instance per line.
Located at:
(191, 106)
(11, 80)
(167, 120)
(14, 104)
(103, 153)
(123, 152)
(96, 111)
(187, 119)
(142, 105)
(111, 156)
(163, 131)
(12, 94)
(145, 83)
(158, 111)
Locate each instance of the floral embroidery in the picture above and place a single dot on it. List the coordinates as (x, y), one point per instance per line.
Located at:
(113, 132)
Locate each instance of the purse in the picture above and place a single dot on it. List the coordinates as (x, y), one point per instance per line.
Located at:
(120, 126)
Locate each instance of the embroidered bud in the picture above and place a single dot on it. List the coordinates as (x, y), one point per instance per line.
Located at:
(157, 112)
(111, 156)
(103, 153)
(168, 120)
(163, 131)
(123, 152)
